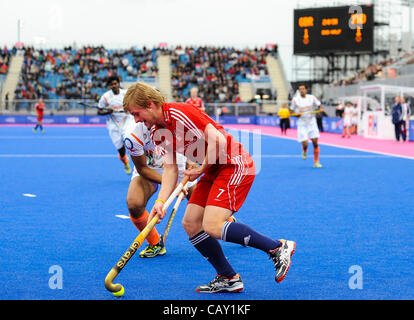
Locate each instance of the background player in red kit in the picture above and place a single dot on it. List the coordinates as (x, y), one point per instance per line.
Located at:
(227, 172)
(195, 100)
(40, 108)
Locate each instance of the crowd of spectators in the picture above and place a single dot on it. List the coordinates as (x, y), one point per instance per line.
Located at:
(371, 72)
(215, 71)
(4, 60)
(71, 73)
(379, 70)
(80, 73)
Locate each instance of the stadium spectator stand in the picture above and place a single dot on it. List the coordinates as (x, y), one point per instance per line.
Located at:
(216, 71)
(4, 65)
(224, 75)
(396, 70)
(4, 61)
(387, 68)
(80, 73)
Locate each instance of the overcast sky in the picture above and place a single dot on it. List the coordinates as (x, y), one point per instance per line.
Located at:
(149, 21)
(123, 23)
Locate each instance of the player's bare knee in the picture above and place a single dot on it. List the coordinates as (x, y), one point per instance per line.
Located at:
(135, 208)
(192, 220)
(191, 226)
(212, 228)
(186, 225)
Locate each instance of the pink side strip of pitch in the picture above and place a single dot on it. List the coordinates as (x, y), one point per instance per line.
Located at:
(53, 125)
(358, 143)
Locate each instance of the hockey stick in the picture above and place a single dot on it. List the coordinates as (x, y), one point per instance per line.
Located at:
(93, 106)
(301, 114)
(117, 289)
(163, 238)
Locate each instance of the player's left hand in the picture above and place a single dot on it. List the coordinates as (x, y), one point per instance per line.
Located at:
(184, 190)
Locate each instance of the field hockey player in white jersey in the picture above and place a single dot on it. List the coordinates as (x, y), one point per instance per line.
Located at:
(348, 114)
(117, 122)
(148, 168)
(354, 120)
(305, 106)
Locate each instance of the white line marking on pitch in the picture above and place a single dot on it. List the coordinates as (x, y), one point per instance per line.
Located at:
(29, 195)
(122, 216)
(52, 137)
(58, 156)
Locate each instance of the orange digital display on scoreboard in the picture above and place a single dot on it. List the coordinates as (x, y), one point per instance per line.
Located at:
(305, 22)
(330, 22)
(360, 18)
(332, 30)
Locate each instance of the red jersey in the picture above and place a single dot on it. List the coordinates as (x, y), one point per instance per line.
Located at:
(40, 107)
(185, 127)
(195, 102)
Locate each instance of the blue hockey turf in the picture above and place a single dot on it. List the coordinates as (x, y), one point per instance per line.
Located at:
(61, 192)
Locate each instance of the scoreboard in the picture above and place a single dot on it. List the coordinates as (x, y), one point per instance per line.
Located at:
(340, 30)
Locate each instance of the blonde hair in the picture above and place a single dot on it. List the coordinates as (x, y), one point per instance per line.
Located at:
(141, 94)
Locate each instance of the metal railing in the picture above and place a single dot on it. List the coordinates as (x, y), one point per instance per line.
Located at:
(333, 92)
(61, 106)
(215, 110)
(261, 107)
(233, 109)
(73, 107)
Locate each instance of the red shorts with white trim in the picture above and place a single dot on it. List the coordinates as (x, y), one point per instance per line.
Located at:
(226, 186)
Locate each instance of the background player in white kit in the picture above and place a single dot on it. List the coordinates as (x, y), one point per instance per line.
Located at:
(347, 115)
(117, 122)
(305, 105)
(354, 121)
